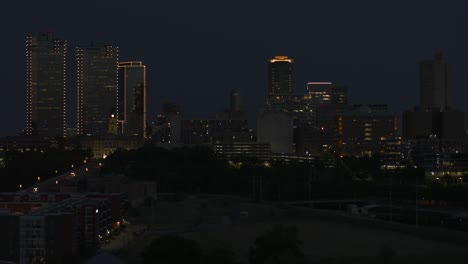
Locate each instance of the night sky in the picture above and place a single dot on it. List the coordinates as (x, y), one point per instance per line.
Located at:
(197, 51)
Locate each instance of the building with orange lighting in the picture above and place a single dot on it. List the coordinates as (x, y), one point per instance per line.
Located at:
(132, 98)
(46, 85)
(280, 86)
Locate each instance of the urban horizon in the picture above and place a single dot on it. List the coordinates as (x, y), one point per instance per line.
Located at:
(235, 132)
(251, 115)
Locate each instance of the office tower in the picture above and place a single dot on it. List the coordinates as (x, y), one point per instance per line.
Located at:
(214, 130)
(434, 117)
(365, 130)
(280, 76)
(167, 127)
(45, 85)
(339, 95)
(132, 98)
(433, 76)
(433, 132)
(321, 93)
(324, 93)
(97, 80)
(235, 101)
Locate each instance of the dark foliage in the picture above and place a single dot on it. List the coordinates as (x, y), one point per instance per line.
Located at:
(24, 167)
(277, 246)
(171, 249)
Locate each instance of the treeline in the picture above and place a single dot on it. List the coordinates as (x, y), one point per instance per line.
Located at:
(25, 167)
(197, 169)
(278, 245)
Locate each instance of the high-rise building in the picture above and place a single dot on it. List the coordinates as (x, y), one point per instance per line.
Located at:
(97, 78)
(324, 96)
(433, 132)
(167, 126)
(434, 116)
(433, 76)
(235, 101)
(321, 93)
(280, 76)
(132, 98)
(324, 93)
(46, 85)
(365, 130)
(339, 95)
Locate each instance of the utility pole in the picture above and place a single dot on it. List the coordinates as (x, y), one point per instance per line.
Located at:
(253, 187)
(261, 188)
(416, 202)
(391, 190)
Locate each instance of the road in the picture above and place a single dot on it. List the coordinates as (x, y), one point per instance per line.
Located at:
(51, 184)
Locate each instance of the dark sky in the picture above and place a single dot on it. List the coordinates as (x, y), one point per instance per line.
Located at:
(197, 51)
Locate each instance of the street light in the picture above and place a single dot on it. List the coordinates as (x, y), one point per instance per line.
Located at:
(38, 178)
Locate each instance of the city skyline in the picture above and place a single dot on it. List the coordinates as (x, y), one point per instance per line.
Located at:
(368, 58)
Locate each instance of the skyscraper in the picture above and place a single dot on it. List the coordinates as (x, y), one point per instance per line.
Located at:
(45, 85)
(280, 76)
(321, 93)
(97, 66)
(235, 101)
(324, 93)
(339, 95)
(433, 76)
(132, 98)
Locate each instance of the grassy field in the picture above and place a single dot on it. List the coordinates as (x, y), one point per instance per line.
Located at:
(323, 241)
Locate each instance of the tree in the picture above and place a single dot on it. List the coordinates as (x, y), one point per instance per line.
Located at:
(387, 254)
(171, 249)
(219, 256)
(277, 246)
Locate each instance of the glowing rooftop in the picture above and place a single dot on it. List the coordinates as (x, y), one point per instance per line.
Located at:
(281, 59)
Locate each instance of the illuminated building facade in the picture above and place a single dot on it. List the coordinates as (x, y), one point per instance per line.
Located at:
(280, 87)
(46, 85)
(242, 150)
(97, 79)
(132, 98)
(433, 132)
(215, 129)
(167, 128)
(280, 76)
(320, 92)
(339, 95)
(365, 130)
